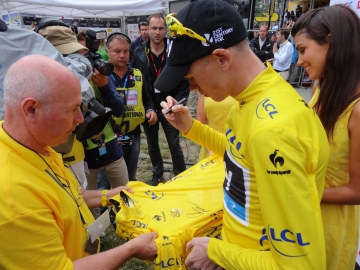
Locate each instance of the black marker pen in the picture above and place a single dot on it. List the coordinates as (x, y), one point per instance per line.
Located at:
(182, 102)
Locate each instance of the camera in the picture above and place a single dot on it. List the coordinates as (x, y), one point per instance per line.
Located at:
(92, 43)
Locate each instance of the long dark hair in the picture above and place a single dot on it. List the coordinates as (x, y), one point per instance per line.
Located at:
(340, 80)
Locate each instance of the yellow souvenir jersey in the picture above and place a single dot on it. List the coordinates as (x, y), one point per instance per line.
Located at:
(275, 153)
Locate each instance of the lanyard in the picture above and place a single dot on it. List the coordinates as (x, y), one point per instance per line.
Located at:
(60, 184)
(156, 70)
(125, 82)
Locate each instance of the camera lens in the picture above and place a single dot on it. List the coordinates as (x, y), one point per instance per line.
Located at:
(104, 67)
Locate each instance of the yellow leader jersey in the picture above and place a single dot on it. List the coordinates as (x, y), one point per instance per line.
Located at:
(275, 152)
(40, 224)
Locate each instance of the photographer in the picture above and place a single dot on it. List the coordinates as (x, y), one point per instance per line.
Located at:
(138, 105)
(102, 151)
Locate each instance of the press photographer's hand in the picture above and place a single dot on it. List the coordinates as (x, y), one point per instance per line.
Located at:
(180, 117)
(99, 79)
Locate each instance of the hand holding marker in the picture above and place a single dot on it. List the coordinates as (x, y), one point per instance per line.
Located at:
(182, 102)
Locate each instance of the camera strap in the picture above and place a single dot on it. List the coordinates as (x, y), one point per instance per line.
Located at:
(124, 99)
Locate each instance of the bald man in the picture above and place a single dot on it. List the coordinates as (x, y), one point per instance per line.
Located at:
(44, 220)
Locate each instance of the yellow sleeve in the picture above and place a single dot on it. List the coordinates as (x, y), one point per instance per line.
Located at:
(206, 136)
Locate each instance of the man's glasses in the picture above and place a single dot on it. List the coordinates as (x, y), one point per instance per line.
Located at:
(79, 199)
(175, 30)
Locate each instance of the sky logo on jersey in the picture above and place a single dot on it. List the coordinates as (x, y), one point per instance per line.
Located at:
(265, 108)
(235, 145)
(236, 189)
(280, 237)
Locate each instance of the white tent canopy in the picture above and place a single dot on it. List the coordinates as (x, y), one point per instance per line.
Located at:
(85, 8)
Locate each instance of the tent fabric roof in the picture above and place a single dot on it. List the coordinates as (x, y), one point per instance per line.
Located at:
(85, 8)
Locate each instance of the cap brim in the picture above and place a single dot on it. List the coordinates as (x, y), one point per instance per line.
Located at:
(69, 48)
(170, 77)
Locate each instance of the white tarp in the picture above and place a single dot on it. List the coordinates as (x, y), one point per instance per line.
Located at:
(353, 4)
(85, 8)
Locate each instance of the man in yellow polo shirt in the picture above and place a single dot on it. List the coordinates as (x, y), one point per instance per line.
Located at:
(45, 214)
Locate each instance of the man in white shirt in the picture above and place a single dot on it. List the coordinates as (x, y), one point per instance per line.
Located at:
(283, 55)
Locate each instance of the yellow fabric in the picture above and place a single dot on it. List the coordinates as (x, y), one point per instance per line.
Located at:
(216, 113)
(107, 136)
(187, 206)
(134, 111)
(40, 224)
(341, 222)
(77, 151)
(275, 153)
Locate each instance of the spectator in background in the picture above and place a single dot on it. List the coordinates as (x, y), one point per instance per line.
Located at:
(150, 58)
(294, 68)
(192, 102)
(283, 55)
(102, 152)
(144, 36)
(273, 39)
(262, 46)
(292, 16)
(286, 16)
(81, 37)
(138, 105)
(298, 11)
(319, 37)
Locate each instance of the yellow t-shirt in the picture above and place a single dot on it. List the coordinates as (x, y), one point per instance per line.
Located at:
(216, 113)
(40, 224)
(275, 154)
(341, 222)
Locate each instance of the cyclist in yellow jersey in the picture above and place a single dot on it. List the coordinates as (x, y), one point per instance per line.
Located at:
(274, 147)
(336, 101)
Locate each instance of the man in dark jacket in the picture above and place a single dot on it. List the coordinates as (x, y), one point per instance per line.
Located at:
(262, 46)
(150, 59)
(144, 35)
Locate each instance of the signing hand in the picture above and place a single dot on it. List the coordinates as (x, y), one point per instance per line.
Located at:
(180, 117)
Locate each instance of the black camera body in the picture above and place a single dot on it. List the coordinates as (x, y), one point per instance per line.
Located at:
(92, 43)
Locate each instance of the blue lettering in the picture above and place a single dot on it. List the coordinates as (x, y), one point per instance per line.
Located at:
(283, 236)
(271, 113)
(300, 241)
(163, 266)
(269, 105)
(272, 232)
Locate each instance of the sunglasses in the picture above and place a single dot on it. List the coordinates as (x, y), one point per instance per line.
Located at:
(175, 30)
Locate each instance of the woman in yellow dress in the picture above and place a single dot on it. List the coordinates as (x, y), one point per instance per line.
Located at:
(214, 114)
(328, 41)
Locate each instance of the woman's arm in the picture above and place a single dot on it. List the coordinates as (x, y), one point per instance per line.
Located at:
(349, 194)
